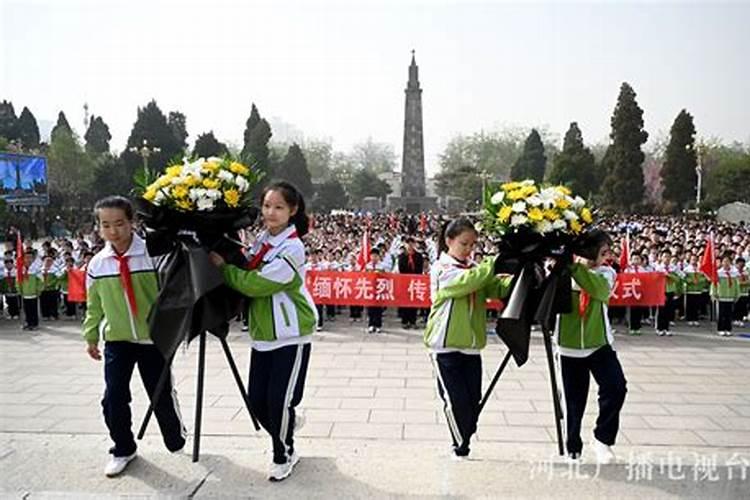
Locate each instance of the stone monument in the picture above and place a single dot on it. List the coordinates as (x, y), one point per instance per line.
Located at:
(413, 197)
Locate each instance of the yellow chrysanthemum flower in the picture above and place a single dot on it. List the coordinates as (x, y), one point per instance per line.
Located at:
(536, 214)
(180, 191)
(210, 183)
(575, 226)
(232, 197)
(516, 195)
(150, 194)
(586, 216)
(551, 214)
(184, 204)
(238, 168)
(504, 213)
(564, 190)
(174, 170)
(510, 186)
(529, 190)
(162, 181)
(211, 166)
(191, 181)
(562, 203)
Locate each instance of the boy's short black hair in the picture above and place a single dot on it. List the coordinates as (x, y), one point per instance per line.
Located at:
(115, 202)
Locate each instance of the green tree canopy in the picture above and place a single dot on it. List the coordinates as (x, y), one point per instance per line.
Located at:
(252, 121)
(71, 171)
(728, 181)
(62, 126)
(28, 130)
(575, 165)
(207, 145)
(97, 136)
(377, 157)
(8, 121)
(678, 173)
(151, 126)
(532, 162)
(178, 123)
(293, 168)
(330, 195)
(366, 183)
(623, 186)
(319, 156)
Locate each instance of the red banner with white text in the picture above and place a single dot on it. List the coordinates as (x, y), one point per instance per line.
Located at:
(639, 289)
(413, 290)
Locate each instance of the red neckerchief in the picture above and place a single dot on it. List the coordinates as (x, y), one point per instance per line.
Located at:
(473, 296)
(583, 302)
(258, 257)
(127, 281)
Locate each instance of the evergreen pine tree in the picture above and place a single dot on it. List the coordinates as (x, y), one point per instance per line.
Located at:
(28, 130)
(97, 136)
(62, 126)
(151, 126)
(207, 145)
(575, 165)
(678, 173)
(293, 168)
(532, 162)
(623, 187)
(257, 153)
(251, 123)
(178, 123)
(8, 121)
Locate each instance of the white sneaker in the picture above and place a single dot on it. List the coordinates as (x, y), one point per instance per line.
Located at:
(244, 328)
(660, 333)
(299, 422)
(668, 333)
(377, 330)
(116, 465)
(604, 453)
(318, 328)
(573, 458)
(279, 472)
(727, 334)
(370, 329)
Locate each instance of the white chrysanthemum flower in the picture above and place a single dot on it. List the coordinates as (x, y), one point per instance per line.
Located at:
(214, 159)
(242, 183)
(160, 196)
(225, 175)
(527, 182)
(559, 224)
(214, 194)
(197, 193)
(570, 215)
(519, 206)
(205, 203)
(578, 203)
(177, 180)
(497, 198)
(518, 220)
(534, 200)
(548, 197)
(544, 226)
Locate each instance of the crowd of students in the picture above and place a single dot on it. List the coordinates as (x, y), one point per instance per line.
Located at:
(42, 288)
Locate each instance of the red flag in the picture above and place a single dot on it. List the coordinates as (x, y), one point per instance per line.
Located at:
(423, 222)
(364, 252)
(708, 261)
(76, 285)
(20, 274)
(625, 252)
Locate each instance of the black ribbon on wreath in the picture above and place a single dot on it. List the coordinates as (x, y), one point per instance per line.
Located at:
(192, 295)
(538, 294)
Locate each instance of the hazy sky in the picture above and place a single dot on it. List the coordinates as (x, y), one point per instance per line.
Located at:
(338, 69)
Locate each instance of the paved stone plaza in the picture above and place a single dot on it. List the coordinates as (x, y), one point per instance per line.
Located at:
(374, 426)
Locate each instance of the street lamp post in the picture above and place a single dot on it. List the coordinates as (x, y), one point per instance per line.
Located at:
(699, 179)
(145, 151)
